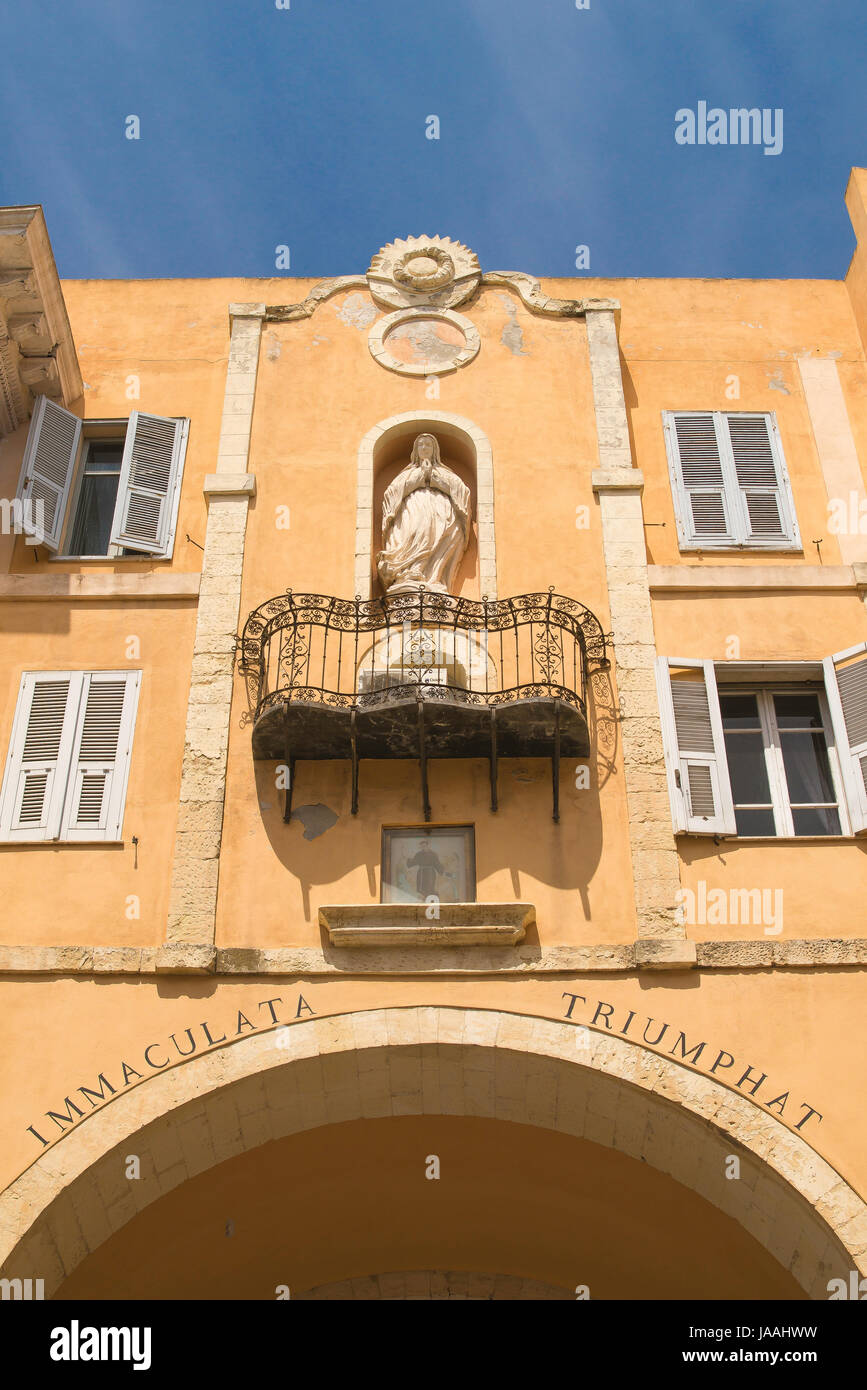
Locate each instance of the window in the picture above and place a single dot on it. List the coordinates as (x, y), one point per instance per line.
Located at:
(729, 481)
(428, 864)
(102, 488)
(93, 510)
(766, 748)
(69, 754)
(777, 751)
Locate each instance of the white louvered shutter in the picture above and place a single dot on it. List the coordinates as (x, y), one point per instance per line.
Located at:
(147, 492)
(761, 478)
(846, 686)
(695, 756)
(695, 461)
(43, 734)
(47, 471)
(100, 756)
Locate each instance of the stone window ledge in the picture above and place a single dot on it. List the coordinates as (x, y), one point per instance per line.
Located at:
(407, 924)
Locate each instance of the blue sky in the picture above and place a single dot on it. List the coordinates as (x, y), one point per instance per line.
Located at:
(306, 127)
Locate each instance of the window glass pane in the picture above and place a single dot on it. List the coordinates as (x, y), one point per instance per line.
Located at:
(749, 776)
(805, 759)
(739, 711)
(93, 518)
(798, 712)
(816, 820)
(755, 822)
(97, 496)
(104, 456)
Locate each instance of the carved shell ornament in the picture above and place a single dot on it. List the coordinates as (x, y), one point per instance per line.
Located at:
(413, 272)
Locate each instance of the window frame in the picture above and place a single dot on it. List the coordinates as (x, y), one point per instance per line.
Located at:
(773, 755)
(734, 505)
(93, 432)
(426, 828)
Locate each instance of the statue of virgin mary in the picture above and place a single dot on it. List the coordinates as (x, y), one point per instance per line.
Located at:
(425, 523)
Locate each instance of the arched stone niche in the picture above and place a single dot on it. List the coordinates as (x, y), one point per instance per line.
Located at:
(465, 448)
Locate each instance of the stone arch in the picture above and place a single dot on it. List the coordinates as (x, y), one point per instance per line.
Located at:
(432, 1060)
(443, 423)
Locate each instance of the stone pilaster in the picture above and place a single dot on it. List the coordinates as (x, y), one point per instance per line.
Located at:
(193, 902)
(838, 455)
(618, 486)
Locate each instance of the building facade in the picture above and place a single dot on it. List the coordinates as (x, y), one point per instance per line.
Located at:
(434, 814)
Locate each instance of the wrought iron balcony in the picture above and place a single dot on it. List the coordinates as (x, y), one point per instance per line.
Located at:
(420, 675)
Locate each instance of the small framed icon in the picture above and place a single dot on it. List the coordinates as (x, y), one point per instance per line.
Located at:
(424, 862)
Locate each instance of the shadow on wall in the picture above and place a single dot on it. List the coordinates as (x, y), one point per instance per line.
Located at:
(520, 836)
(324, 843)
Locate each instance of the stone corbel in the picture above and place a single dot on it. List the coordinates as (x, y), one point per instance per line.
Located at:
(231, 484)
(617, 480)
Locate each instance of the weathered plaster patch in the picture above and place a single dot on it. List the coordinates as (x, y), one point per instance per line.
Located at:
(273, 349)
(776, 383)
(315, 819)
(512, 335)
(357, 311)
(523, 774)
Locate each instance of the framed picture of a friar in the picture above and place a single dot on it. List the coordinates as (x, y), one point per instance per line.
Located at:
(425, 862)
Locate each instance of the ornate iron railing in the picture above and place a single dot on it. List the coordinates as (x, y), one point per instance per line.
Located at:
(346, 652)
(419, 674)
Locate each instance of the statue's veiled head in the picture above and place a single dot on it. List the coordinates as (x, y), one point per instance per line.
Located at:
(426, 450)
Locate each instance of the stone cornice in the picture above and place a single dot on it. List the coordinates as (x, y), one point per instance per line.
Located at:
(291, 313)
(737, 577)
(527, 287)
(819, 953)
(534, 298)
(36, 344)
(41, 588)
